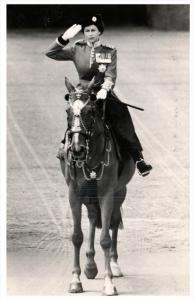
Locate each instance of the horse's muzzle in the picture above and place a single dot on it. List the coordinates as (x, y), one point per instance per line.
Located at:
(78, 147)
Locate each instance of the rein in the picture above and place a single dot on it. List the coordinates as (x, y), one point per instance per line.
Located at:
(96, 172)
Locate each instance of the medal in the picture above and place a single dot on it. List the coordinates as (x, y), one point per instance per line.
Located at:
(103, 58)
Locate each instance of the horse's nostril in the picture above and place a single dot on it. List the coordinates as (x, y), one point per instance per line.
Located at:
(78, 150)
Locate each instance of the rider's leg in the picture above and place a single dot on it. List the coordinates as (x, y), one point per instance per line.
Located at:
(121, 122)
(61, 151)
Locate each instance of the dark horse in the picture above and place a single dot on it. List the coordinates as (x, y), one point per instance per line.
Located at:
(97, 178)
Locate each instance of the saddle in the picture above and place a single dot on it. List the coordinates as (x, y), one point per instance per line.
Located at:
(121, 153)
(116, 144)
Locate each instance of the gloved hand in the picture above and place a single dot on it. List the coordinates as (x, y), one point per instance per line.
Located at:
(71, 32)
(102, 94)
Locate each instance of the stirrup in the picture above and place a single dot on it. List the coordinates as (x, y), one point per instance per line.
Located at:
(144, 173)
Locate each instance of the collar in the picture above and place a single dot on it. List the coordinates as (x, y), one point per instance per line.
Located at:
(96, 44)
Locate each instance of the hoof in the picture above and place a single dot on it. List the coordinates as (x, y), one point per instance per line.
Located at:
(110, 292)
(75, 287)
(91, 270)
(116, 271)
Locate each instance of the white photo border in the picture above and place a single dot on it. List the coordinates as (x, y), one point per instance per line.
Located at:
(3, 138)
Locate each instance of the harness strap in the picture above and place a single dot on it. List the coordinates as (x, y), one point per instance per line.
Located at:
(103, 110)
(95, 173)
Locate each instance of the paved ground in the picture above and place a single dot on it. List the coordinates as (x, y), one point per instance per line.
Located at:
(153, 72)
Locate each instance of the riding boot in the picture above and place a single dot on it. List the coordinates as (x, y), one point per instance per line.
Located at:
(61, 151)
(143, 168)
(121, 122)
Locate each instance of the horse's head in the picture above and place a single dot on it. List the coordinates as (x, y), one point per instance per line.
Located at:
(81, 119)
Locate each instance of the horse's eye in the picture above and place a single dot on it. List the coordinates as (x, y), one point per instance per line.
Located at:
(92, 97)
(66, 97)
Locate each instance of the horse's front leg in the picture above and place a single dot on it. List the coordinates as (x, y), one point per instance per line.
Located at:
(90, 267)
(105, 242)
(119, 197)
(77, 239)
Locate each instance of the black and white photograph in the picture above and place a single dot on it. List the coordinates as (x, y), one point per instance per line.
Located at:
(96, 148)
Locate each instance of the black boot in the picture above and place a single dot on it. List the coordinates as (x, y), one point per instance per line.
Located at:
(61, 152)
(142, 167)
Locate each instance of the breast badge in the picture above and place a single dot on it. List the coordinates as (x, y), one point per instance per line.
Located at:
(102, 68)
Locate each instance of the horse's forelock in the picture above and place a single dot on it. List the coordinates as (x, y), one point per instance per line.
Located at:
(80, 89)
(77, 106)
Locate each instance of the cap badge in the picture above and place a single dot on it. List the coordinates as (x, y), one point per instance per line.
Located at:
(94, 19)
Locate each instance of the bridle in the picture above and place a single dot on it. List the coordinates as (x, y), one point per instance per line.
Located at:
(78, 125)
(78, 101)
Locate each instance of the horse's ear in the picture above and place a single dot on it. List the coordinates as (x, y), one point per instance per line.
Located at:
(91, 84)
(66, 97)
(92, 97)
(69, 86)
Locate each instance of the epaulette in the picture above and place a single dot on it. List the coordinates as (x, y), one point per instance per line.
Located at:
(80, 42)
(108, 46)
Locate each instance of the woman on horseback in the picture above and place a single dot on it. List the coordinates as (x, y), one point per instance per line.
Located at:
(94, 59)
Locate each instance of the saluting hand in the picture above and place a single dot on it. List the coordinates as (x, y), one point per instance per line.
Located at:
(71, 32)
(102, 94)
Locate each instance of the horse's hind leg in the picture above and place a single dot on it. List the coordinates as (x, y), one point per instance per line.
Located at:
(90, 266)
(77, 239)
(116, 271)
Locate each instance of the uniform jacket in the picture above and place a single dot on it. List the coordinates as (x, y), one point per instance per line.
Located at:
(99, 60)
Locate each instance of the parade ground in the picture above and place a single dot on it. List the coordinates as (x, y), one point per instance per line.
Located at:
(153, 247)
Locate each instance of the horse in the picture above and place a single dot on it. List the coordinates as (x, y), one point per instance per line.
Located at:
(97, 178)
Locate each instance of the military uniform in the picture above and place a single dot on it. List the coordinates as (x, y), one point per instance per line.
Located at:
(100, 60)
(88, 59)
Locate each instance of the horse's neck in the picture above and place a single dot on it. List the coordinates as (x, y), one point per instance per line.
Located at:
(97, 144)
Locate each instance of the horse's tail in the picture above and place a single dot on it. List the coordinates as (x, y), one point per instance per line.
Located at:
(94, 212)
(117, 222)
(98, 221)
